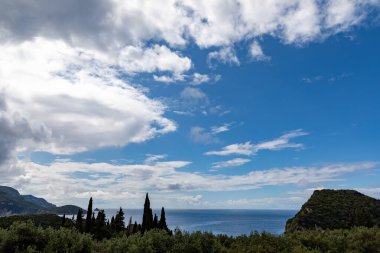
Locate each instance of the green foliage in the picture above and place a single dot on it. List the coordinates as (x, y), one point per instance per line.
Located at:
(44, 220)
(336, 209)
(119, 221)
(26, 237)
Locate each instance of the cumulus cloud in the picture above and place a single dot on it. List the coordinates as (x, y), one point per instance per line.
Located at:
(200, 78)
(75, 182)
(157, 58)
(230, 163)
(102, 24)
(61, 99)
(248, 148)
(226, 55)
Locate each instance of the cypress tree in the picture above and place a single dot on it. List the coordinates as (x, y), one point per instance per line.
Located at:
(119, 221)
(155, 221)
(112, 224)
(147, 221)
(63, 220)
(135, 228)
(79, 222)
(130, 226)
(88, 217)
(162, 223)
(100, 226)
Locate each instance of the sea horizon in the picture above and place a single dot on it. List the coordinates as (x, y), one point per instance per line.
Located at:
(232, 222)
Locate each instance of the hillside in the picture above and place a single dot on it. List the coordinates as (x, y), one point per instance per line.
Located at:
(336, 209)
(12, 202)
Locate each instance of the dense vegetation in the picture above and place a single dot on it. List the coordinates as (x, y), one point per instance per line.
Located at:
(43, 220)
(335, 209)
(26, 237)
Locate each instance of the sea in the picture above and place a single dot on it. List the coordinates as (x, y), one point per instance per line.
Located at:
(217, 221)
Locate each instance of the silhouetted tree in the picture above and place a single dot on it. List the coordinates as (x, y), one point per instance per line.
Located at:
(88, 217)
(79, 222)
(112, 224)
(162, 223)
(63, 220)
(119, 221)
(100, 229)
(92, 222)
(147, 221)
(155, 221)
(135, 228)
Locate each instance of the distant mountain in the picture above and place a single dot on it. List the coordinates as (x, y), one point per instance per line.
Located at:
(12, 202)
(38, 201)
(335, 209)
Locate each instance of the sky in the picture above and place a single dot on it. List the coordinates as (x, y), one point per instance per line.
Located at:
(203, 104)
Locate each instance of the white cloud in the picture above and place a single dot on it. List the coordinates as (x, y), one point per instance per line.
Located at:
(200, 78)
(60, 183)
(226, 55)
(250, 149)
(154, 158)
(61, 99)
(169, 79)
(341, 14)
(112, 24)
(157, 58)
(234, 149)
(282, 142)
(193, 94)
(257, 52)
(230, 163)
(220, 129)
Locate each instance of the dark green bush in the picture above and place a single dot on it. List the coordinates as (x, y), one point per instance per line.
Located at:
(26, 237)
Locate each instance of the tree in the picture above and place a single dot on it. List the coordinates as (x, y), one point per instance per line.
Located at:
(119, 221)
(63, 220)
(100, 230)
(79, 222)
(162, 223)
(155, 221)
(88, 217)
(147, 221)
(135, 228)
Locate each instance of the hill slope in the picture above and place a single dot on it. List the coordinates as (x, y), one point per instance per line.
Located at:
(12, 202)
(335, 209)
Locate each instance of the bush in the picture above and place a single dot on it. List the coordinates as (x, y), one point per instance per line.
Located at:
(26, 237)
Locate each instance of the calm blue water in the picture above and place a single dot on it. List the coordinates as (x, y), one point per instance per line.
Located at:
(230, 222)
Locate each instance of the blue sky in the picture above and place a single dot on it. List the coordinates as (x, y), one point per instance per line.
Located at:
(211, 105)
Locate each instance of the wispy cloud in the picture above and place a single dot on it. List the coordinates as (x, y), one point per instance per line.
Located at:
(154, 158)
(248, 148)
(230, 163)
(220, 129)
(235, 149)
